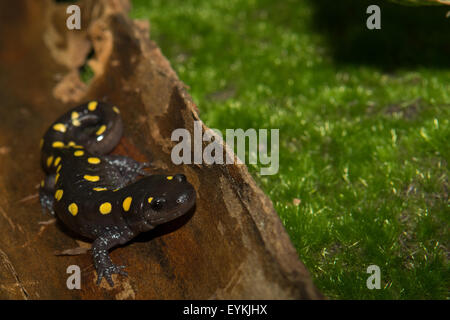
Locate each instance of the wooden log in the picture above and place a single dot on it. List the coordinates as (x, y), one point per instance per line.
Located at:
(233, 246)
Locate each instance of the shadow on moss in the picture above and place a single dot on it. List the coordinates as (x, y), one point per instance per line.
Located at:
(409, 36)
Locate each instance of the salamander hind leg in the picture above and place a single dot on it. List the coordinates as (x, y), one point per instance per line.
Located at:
(46, 199)
(46, 194)
(129, 168)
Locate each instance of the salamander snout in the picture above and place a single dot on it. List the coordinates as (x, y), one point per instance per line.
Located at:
(182, 198)
(179, 177)
(187, 194)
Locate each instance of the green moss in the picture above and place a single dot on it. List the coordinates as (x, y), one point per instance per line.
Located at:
(86, 73)
(363, 131)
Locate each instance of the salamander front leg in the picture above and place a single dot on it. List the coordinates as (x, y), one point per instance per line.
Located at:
(102, 262)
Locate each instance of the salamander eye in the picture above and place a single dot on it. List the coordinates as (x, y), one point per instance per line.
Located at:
(158, 203)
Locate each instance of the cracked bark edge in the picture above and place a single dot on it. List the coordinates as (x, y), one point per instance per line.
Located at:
(4, 259)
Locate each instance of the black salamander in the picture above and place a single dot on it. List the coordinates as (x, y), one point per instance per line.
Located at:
(99, 196)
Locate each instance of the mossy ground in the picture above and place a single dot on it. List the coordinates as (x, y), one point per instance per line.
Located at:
(364, 126)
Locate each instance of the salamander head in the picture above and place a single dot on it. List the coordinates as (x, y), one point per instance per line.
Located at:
(161, 199)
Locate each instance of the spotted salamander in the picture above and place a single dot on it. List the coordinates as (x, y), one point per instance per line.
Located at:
(99, 196)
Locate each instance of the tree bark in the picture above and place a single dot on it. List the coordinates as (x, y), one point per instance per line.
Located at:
(233, 246)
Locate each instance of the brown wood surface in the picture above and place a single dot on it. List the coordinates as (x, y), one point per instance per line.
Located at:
(233, 246)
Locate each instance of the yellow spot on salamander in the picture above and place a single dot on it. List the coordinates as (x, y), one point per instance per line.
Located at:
(58, 194)
(59, 168)
(169, 177)
(99, 189)
(58, 144)
(105, 208)
(41, 143)
(74, 145)
(56, 177)
(57, 160)
(73, 209)
(74, 118)
(59, 127)
(91, 178)
(78, 153)
(116, 110)
(101, 130)
(49, 161)
(93, 160)
(42, 183)
(150, 200)
(92, 105)
(127, 203)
